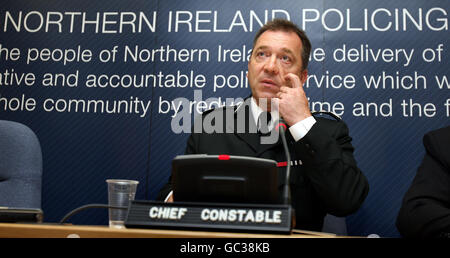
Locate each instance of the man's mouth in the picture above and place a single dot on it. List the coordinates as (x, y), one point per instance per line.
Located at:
(269, 83)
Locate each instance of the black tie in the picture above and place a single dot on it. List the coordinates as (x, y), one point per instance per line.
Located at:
(263, 123)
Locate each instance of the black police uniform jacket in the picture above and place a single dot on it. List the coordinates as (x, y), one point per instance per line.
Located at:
(324, 175)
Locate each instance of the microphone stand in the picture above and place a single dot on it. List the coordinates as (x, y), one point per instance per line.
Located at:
(286, 195)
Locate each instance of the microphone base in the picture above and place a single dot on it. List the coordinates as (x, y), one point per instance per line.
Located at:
(232, 217)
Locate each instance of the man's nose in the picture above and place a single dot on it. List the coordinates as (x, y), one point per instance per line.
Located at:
(271, 65)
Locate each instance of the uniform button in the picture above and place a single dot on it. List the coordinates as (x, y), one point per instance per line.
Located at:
(308, 145)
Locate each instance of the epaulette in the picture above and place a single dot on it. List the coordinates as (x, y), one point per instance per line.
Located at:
(209, 111)
(235, 107)
(333, 115)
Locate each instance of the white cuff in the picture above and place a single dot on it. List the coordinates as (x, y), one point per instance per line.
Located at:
(300, 129)
(168, 196)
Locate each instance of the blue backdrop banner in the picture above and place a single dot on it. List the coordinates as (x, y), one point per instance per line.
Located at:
(103, 84)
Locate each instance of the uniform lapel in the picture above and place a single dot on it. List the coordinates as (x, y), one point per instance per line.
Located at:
(265, 147)
(245, 126)
(245, 129)
(248, 133)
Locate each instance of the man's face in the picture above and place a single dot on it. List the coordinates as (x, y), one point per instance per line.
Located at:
(276, 53)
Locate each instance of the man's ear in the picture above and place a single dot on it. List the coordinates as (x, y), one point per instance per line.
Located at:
(303, 76)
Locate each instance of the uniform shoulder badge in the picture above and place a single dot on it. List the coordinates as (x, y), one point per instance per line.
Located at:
(333, 115)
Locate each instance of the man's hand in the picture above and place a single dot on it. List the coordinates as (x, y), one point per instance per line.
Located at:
(292, 101)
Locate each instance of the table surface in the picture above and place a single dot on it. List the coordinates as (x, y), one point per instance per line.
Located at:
(18, 230)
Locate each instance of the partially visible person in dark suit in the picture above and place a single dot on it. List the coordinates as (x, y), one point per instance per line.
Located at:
(425, 211)
(324, 176)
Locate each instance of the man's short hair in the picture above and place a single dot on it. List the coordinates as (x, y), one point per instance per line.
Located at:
(288, 26)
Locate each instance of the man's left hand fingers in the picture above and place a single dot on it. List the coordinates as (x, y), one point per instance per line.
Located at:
(294, 79)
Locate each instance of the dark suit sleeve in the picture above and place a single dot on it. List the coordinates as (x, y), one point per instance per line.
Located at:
(425, 210)
(327, 156)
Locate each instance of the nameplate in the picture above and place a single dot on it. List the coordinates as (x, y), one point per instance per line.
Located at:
(210, 216)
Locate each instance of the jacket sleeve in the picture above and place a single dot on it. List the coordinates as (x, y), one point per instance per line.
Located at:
(327, 155)
(425, 210)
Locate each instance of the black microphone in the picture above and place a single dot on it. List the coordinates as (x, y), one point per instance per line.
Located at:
(281, 127)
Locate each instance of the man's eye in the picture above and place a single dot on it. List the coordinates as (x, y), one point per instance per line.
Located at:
(285, 58)
(261, 54)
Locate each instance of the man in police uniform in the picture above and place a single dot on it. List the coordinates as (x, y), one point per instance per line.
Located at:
(324, 175)
(425, 210)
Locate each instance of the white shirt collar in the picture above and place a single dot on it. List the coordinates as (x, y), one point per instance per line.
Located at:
(256, 111)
